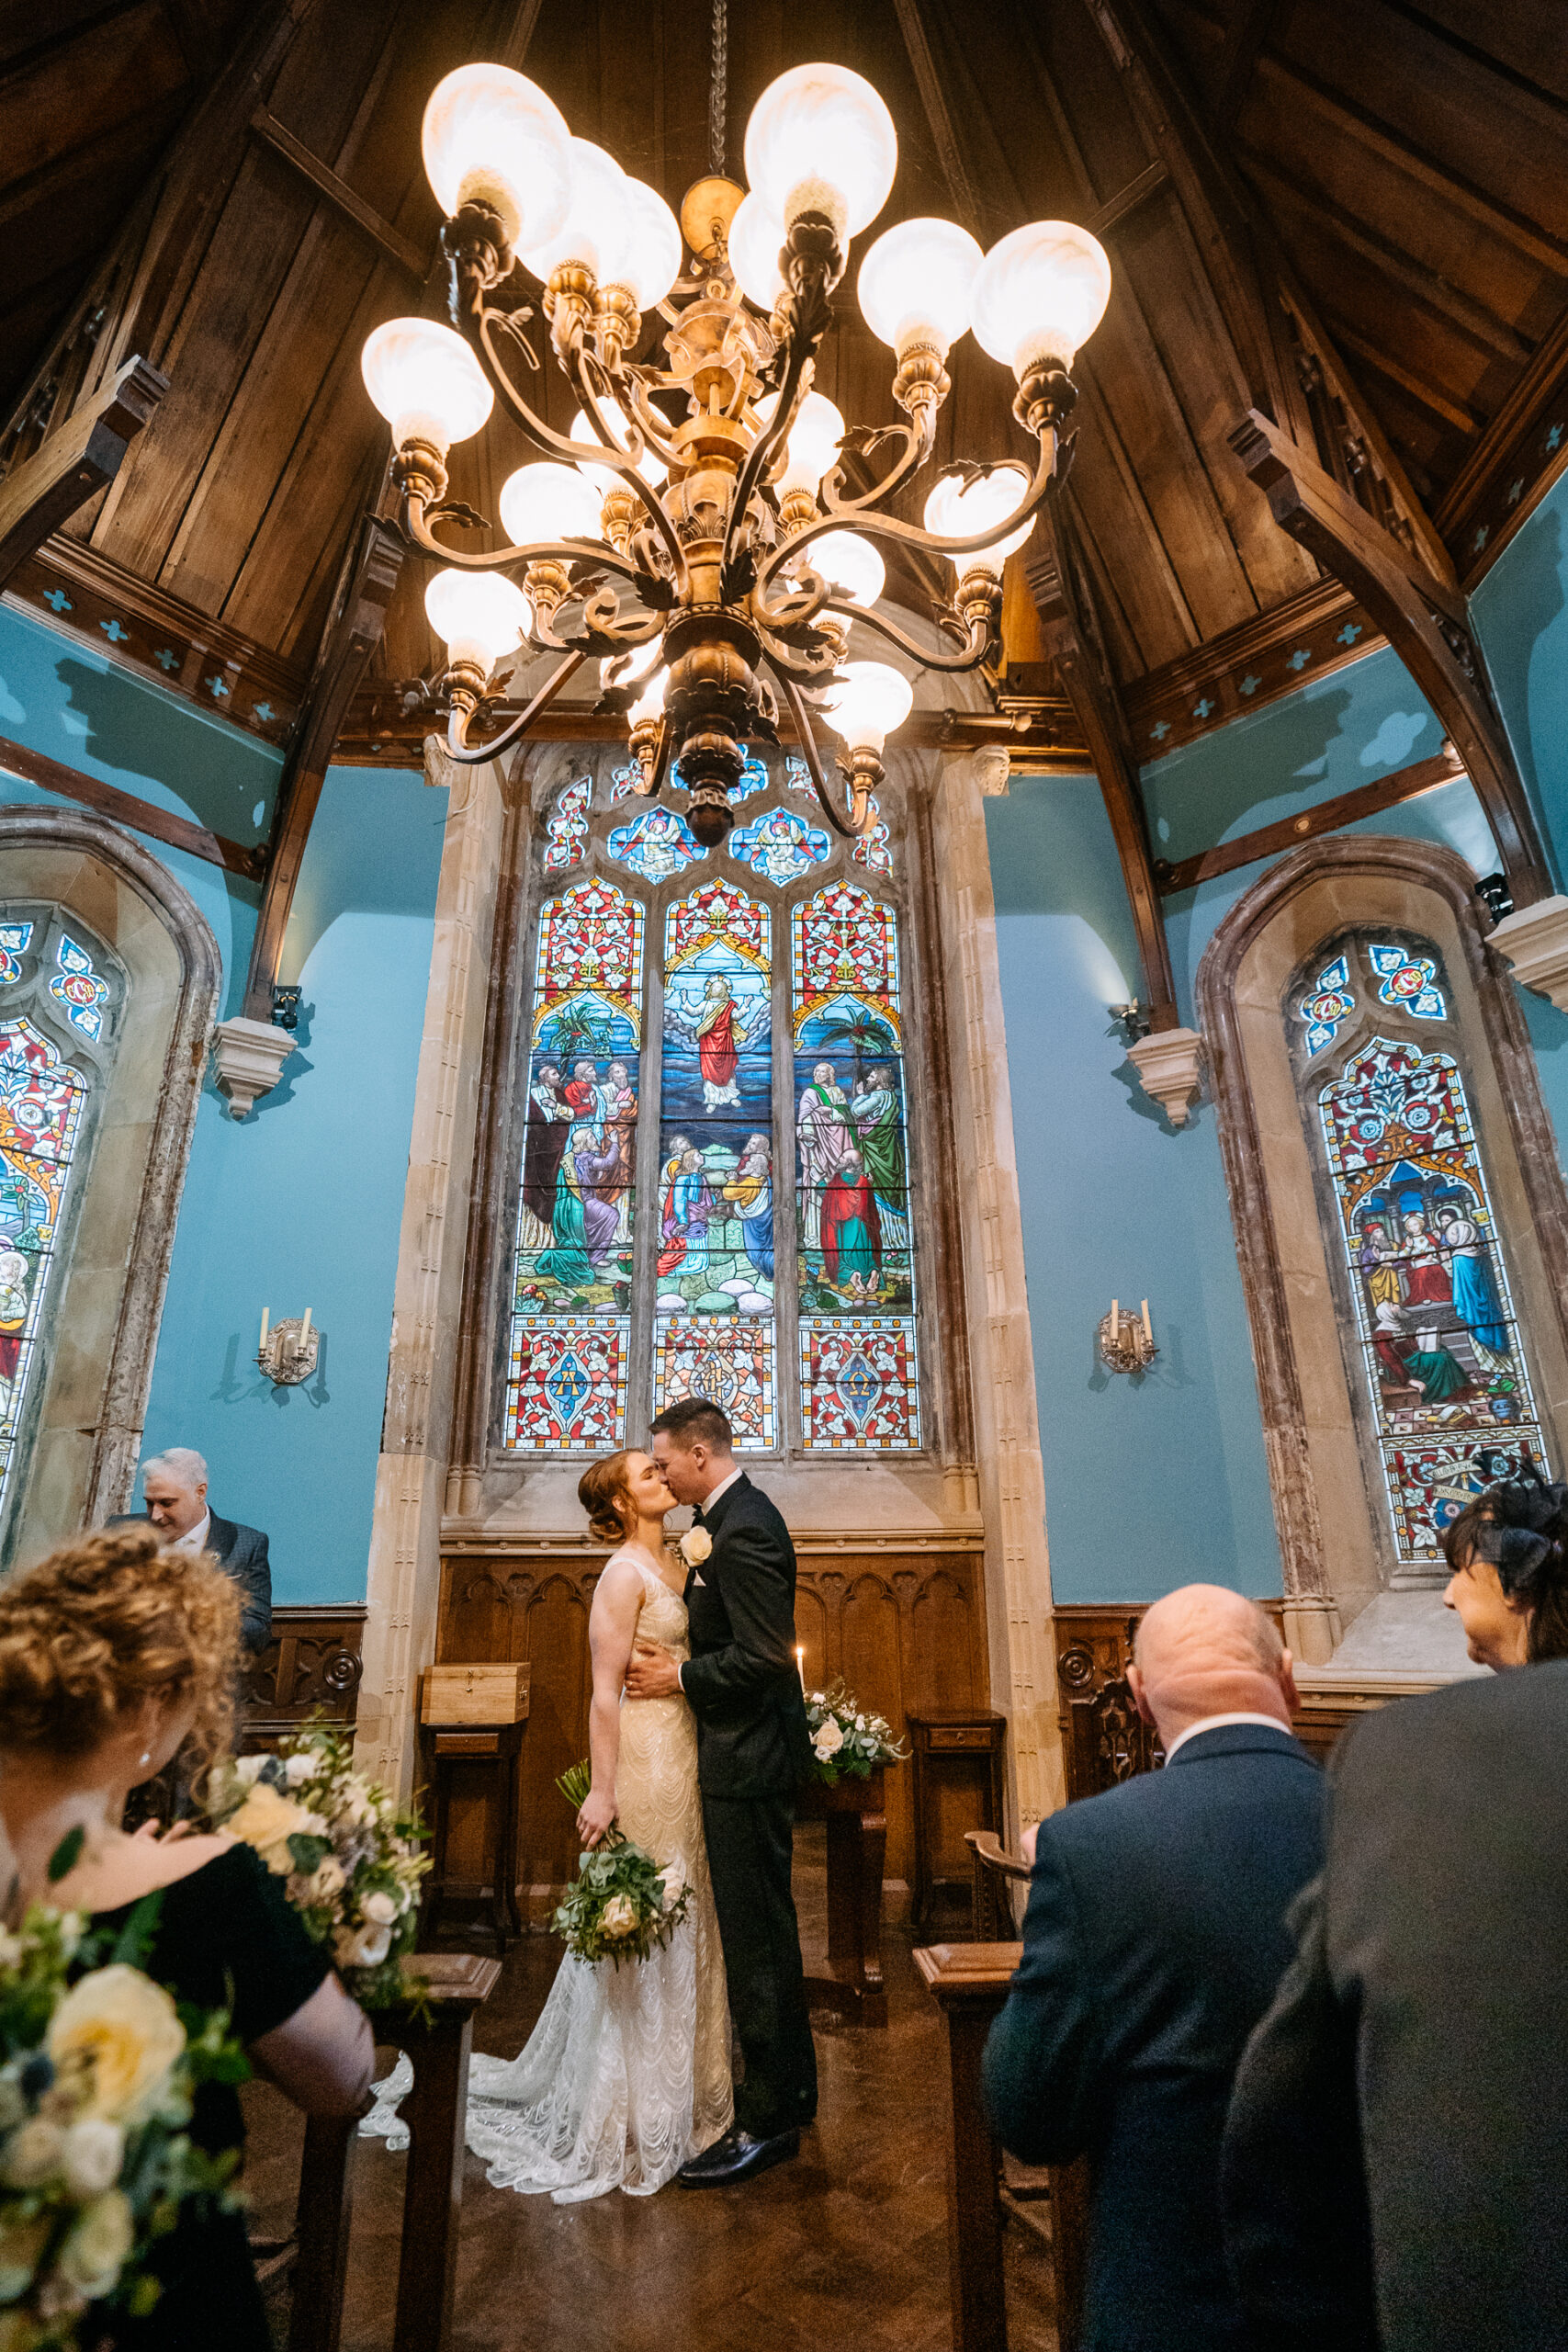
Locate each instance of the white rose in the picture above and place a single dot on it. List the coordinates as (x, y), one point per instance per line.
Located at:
(380, 1907)
(618, 1918)
(95, 2149)
(327, 1880)
(123, 2028)
(829, 1739)
(248, 1768)
(21, 2250)
(298, 1769)
(94, 2252)
(34, 2152)
(674, 1886)
(860, 1722)
(696, 1545)
(361, 1947)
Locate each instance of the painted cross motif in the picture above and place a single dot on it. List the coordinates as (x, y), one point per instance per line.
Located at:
(79, 988)
(1408, 980)
(859, 1389)
(1327, 1006)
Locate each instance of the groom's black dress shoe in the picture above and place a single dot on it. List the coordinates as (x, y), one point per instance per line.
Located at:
(736, 2156)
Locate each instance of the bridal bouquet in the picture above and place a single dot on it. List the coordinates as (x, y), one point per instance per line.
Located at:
(845, 1739)
(622, 1905)
(350, 1857)
(97, 2077)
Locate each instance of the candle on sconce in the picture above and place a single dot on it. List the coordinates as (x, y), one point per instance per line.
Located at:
(1115, 1317)
(800, 1665)
(305, 1332)
(262, 1350)
(1148, 1333)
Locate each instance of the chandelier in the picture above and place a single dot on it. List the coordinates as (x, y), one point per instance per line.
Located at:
(696, 531)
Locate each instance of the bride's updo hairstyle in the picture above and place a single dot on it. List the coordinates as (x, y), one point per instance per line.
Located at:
(604, 1492)
(104, 1624)
(1520, 1528)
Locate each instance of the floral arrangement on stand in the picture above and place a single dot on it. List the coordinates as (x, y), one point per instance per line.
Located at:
(98, 2067)
(350, 1855)
(622, 1905)
(845, 1739)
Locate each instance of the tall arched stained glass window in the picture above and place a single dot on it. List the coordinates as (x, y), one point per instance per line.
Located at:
(1442, 1362)
(713, 1170)
(61, 999)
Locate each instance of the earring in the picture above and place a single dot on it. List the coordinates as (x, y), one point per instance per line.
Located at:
(146, 1755)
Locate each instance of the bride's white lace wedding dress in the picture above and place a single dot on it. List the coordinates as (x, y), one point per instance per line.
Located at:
(626, 2074)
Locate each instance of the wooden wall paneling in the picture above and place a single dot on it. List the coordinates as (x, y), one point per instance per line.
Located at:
(312, 1665)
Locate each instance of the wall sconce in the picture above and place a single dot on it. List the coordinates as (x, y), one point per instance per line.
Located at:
(1132, 1020)
(288, 1350)
(1127, 1342)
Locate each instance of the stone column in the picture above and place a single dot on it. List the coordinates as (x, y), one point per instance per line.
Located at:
(1012, 1482)
(411, 1478)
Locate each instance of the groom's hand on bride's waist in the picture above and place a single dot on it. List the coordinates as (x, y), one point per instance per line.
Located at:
(653, 1674)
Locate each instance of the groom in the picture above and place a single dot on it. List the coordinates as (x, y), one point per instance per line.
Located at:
(753, 1750)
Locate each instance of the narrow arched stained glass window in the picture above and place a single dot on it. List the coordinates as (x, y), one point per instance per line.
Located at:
(1442, 1360)
(565, 840)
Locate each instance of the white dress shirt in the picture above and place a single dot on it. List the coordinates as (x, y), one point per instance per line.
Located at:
(195, 1538)
(1217, 1723)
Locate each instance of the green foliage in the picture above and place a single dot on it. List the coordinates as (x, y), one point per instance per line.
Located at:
(622, 1905)
(846, 1742)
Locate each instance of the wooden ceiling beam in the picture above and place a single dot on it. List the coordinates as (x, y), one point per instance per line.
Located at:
(1138, 190)
(1327, 817)
(1074, 641)
(127, 808)
(74, 462)
(966, 204)
(1239, 60)
(390, 242)
(1425, 620)
(1436, 403)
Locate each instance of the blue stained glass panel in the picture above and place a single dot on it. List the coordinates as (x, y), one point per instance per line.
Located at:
(779, 845)
(79, 988)
(1410, 982)
(41, 1102)
(657, 844)
(15, 940)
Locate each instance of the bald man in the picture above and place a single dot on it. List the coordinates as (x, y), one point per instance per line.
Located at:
(1153, 1942)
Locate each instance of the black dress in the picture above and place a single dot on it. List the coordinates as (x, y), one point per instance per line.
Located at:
(226, 1935)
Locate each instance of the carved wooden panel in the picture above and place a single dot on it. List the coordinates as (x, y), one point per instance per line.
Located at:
(905, 1630)
(310, 1666)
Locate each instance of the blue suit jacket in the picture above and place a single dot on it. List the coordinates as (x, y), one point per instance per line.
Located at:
(1153, 1942)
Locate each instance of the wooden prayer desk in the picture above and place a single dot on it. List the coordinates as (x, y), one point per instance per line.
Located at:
(436, 2111)
(957, 1754)
(970, 1984)
(855, 1812)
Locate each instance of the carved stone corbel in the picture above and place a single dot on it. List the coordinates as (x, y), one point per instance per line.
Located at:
(1535, 942)
(1426, 619)
(1169, 1064)
(248, 1057)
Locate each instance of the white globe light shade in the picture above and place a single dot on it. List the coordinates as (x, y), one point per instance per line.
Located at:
(425, 381)
(1040, 295)
(593, 231)
(493, 136)
(650, 246)
(649, 704)
(756, 241)
(549, 502)
(915, 284)
(812, 449)
(849, 563)
(866, 703)
(480, 614)
(605, 477)
(635, 665)
(820, 140)
(958, 511)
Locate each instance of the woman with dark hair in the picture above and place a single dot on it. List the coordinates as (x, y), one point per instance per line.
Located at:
(1509, 1551)
(116, 1655)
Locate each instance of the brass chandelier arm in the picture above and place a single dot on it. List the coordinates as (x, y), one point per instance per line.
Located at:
(594, 552)
(622, 461)
(858, 821)
(763, 450)
(976, 637)
(475, 755)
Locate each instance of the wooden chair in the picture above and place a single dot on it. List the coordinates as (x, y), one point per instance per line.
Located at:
(995, 1920)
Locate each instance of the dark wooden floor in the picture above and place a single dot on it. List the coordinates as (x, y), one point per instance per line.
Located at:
(849, 2245)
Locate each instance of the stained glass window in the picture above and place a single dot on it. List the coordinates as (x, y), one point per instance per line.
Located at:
(859, 1386)
(52, 977)
(704, 1028)
(572, 1275)
(1442, 1362)
(1329, 1004)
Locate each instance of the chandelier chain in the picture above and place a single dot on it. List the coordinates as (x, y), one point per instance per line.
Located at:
(718, 89)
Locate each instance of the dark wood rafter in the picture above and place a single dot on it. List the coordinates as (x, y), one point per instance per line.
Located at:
(1523, 452)
(968, 207)
(1425, 618)
(1250, 27)
(337, 192)
(1071, 632)
(1327, 817)
(127, 808)
(75, 462)
(351, 637)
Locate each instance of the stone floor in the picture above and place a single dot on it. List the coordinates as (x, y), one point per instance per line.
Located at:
(847, 2246)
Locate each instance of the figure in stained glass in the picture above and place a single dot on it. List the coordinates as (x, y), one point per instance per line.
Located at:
(825, 1138)
(873, 849)
(752, 1190)
(852, 1231)
(779, 845)
(658, 844)
(878, 1117)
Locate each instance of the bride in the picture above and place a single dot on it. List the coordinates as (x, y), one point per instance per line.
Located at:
(627, 2074)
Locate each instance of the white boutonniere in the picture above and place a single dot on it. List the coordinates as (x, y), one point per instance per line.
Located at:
(696, 1545)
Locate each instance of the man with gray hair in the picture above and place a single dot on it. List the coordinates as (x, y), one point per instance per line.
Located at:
(1153, 1942)
(175, 1485)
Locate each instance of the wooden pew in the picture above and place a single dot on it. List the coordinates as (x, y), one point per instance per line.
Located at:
(969, 1984)
(436, 2111)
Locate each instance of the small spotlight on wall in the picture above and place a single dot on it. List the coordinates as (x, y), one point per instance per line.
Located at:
(1132, 1020)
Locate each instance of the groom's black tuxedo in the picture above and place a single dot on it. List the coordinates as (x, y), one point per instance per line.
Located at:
(753, 1750)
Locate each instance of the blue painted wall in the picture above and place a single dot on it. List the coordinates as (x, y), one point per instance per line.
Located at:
(301, 1204)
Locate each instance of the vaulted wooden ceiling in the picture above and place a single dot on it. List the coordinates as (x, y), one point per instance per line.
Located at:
(1356, 220)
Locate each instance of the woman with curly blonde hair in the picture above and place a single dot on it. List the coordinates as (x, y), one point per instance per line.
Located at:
(116, 1655)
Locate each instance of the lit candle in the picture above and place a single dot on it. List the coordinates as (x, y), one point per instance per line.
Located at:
(1148, 1334)
(800, 1664)
(1115, 1322)
(262, 1350)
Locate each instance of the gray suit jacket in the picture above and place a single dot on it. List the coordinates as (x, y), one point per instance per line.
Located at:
(1420, 2033)
(241, 1552)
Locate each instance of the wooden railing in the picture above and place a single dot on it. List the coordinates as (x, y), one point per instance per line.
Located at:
(969, 1982)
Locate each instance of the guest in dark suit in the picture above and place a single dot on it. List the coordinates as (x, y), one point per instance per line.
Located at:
(753, 1750)
(1396, 2158)
(174, 1485)
(1153, 1942)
